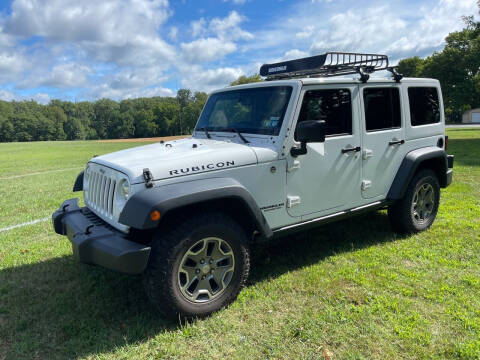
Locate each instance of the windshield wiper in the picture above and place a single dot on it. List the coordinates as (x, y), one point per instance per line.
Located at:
(206, 131)
(245, 141)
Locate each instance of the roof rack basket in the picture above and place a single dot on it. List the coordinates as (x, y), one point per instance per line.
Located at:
(328, 64)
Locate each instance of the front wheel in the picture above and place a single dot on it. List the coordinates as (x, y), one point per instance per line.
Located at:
(197, 266)
(418, 208)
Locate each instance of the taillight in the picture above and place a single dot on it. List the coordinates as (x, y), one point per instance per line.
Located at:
(446, 142)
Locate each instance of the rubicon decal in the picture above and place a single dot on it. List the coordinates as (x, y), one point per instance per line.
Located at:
(206, 167)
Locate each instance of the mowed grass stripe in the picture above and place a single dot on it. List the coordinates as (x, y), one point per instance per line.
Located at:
(39, 173)
(28, 223)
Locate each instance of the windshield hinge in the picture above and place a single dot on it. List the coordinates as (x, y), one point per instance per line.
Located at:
(295, 166)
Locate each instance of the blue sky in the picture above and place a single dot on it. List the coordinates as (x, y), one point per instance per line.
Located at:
(89, 49)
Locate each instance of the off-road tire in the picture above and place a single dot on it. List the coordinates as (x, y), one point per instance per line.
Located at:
(169, 247)
(401, 213)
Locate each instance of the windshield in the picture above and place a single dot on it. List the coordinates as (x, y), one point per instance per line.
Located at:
(255, 110)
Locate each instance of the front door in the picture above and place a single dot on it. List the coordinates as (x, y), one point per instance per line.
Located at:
(383, 138)
(327, 178)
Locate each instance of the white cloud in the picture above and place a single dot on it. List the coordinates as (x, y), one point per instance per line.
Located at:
(136, 78)
(379, 27)
(236, 2)
(41, 98)
(197, 78)
(208, 49)
(218, 39)
(305, 33)
(228, 27)
(6, 95)
(105, 91)
(198, 27)
(223, 28)
(11, 63)
(429, 30)
(294, 54)
(117, 31)
(173, 33)
(61, 76)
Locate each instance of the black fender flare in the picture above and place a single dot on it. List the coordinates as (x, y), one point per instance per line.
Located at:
(138, 208)
(410, 164)
(78, 186)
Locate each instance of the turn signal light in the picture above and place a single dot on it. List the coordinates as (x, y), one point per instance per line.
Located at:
(155, 215)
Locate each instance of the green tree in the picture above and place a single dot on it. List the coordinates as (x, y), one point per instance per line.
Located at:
(411, 67)
(243, 79)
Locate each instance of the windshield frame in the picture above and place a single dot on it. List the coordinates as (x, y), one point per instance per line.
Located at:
(259, 131)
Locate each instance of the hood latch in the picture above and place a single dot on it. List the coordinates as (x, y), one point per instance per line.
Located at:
(148, 177)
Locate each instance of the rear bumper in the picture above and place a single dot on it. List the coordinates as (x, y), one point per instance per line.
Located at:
(450, 159)
(95, 242)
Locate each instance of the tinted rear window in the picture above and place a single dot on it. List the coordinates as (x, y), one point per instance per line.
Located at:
(424, 105)
(382, 108)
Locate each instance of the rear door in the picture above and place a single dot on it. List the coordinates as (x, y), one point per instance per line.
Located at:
(383, 137)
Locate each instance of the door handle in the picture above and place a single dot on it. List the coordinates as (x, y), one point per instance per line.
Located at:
(353, 149)
(396, 142)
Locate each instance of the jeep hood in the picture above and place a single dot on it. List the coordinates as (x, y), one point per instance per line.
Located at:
(182, 157)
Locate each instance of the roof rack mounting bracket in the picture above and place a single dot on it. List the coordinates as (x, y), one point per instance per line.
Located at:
(364, 74)
(396, 76)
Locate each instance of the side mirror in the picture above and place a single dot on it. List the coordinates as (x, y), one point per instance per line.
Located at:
(308, 131)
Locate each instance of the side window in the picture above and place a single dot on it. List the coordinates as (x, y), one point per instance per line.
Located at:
(334, 106)
(382, 108)
(424, 106)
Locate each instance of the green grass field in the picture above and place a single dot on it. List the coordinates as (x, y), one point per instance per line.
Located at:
(349, 290)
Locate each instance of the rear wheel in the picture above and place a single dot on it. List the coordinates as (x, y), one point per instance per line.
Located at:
(197, 266)
(418, 208)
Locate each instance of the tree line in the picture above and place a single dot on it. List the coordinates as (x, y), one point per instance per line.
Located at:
(102, 119)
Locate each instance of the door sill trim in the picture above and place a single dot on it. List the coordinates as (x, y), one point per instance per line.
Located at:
(327, 218)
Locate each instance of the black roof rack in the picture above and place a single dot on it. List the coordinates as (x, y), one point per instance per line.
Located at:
(329, 64)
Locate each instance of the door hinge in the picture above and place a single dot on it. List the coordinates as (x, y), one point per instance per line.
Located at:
(367, 153)
(366, 184)
(293, 200)
(295, 166)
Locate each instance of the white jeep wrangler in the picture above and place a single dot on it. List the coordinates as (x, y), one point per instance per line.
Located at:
(265, 159)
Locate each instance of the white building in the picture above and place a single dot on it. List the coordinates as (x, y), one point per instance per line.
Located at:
(471, 116)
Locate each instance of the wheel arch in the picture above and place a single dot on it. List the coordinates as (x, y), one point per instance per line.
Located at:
(78, 185)
(185, 199)
(433, 158)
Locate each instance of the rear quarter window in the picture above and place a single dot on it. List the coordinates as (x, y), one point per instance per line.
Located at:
(424, 105)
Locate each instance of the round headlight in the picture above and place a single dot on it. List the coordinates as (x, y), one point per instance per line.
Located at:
(125, 188)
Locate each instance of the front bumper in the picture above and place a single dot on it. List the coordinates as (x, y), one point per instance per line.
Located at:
(96, 242)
